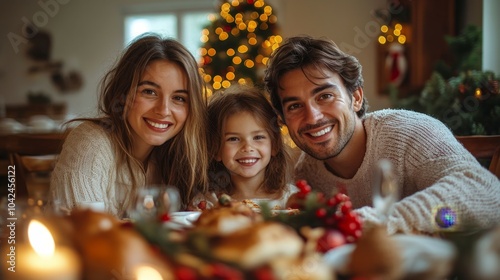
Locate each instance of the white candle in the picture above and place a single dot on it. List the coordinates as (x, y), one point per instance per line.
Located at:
(147, 273)
(42, 260)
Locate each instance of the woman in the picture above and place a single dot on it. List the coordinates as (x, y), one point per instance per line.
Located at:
(151, 131)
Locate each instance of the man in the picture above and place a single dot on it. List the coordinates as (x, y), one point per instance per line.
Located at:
(318, 91)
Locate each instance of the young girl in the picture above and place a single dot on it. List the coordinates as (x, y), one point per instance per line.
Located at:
(151, 130)
(251, 162)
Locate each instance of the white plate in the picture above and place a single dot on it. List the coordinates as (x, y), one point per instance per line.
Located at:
(289, 211)
(183, 219)
(420, 254)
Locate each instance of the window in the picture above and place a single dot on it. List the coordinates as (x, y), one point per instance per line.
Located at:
(164, 24)
(177, 19)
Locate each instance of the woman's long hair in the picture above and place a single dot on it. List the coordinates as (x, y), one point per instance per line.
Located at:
(182, 160)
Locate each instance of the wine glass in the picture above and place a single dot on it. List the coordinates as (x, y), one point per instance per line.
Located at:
(385, 192)
(154, 201)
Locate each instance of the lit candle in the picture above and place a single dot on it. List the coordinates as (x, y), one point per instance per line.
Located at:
(147, 273)
(43, 260)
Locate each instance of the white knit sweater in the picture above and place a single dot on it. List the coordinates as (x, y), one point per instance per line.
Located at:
(433, 170)
(87, 173)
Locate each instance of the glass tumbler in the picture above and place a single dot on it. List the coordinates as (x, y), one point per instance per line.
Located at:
(154, 201)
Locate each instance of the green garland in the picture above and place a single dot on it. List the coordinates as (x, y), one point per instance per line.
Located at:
(459, 93)
(469, 104)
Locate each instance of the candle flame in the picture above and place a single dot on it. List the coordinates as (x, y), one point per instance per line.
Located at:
(147, 273)
(40, 239)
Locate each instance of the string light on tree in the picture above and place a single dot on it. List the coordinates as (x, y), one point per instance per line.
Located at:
(477, 92)
(237, 43)
(391, 34)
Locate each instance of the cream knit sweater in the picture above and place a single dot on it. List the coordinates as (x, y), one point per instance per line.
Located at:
(433, 170)
(87, 172)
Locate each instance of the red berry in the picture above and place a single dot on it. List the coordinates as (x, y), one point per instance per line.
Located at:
(301, 183)
(332, 238)
(332, 201)
(303, 186)
(346, 207)
(321, 213)
(339, 197)
(202, 205)
(348, 226)
(164, 217)
(306, 189)
(185, 273)
(352, 216)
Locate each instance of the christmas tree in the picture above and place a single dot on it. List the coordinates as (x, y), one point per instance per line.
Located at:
(237, 43)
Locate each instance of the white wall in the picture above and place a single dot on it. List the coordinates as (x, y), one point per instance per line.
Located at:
(88, 36)
(350, 24)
